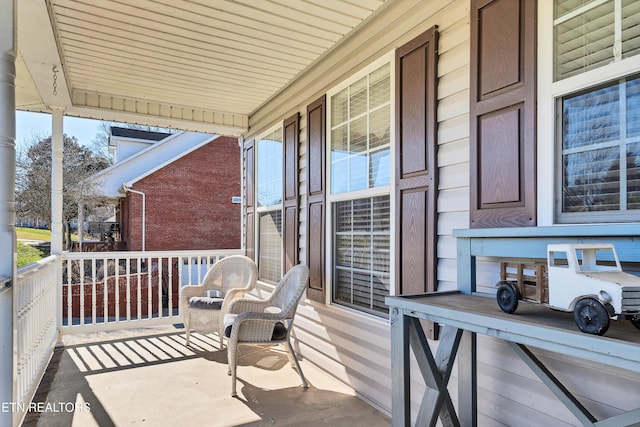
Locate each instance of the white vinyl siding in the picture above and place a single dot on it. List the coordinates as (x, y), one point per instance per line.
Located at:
(354, 347)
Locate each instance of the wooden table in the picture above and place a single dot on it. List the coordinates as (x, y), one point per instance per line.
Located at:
(464, 316)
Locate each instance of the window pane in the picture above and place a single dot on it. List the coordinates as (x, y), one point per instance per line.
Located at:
(358, 135)
(358, 98)
(380, 87)
(360, 129)
(358, 172)
(591, 117)
(270, 246)
(269, 174)
(601, 129)
(362, 248)
(339, 107)
(633, 176)
(379, 173)
(379, 127)
(633, 107)
(381, 214)
(592, 181)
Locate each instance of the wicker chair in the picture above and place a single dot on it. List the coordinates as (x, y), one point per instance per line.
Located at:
(266, 322)
(231, 277)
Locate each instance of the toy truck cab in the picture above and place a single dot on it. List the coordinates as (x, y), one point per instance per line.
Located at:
(586, 279)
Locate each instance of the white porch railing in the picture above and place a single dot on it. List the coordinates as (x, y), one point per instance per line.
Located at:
(117, 290)
(34, 296)
(100, 291)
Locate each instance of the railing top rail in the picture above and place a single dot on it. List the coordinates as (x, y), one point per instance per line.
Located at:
(151, 254)
(5, 284)
(36, 266)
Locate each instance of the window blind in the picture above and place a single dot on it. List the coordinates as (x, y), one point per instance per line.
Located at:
(362, 253)
(270, 246)
(587, 37)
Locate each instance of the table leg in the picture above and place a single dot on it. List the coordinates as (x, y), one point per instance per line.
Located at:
(400, 374)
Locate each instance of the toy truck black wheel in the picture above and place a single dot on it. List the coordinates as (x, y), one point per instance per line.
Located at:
(635, 321)
(507, 297)
(591, 316)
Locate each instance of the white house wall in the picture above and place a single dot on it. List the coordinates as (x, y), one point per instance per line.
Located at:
(354, 347)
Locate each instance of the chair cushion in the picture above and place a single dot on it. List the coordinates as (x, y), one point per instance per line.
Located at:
(213, 293)
(279, 330)
(206, 303)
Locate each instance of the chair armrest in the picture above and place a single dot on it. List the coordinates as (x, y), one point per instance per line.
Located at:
(254, 327)
(231, 296)
(187, 292)
(242, 305)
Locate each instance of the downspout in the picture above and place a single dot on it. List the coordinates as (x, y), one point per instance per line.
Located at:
(124, 189)
(243, 213)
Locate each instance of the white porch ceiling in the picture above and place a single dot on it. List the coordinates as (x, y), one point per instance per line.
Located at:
(203, 65)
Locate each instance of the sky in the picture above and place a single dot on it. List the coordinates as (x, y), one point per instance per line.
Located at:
(38, 125)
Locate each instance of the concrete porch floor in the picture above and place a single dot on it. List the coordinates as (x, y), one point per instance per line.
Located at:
(149, 377)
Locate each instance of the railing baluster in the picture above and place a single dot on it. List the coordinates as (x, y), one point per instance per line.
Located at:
(139, 288)
(69, 293)
(128, 291)
(94, 302)
(105, 291)
(170, 287)
(81, 296)
(149, 290)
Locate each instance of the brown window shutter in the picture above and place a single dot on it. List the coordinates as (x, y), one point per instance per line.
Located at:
(316, 145)
(290, 192)
(249, 167)
(503, 113)
(416, 168)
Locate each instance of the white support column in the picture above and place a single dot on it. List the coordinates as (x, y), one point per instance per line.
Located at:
(7, 201)
(56, 181)
(56, 202)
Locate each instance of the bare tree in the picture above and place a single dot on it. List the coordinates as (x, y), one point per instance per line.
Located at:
(33, 186)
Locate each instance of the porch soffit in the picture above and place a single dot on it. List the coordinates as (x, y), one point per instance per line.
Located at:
(189, 64)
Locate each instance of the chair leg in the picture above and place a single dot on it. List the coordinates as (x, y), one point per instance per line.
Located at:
(187, 326)
(292, 355)
(233, 366)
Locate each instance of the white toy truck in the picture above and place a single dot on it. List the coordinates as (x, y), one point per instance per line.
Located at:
(585, 279)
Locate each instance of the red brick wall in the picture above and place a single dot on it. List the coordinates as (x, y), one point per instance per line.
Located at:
(188, 202)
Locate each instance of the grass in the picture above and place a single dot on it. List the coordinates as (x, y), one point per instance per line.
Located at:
(33, 234)
(28, 254)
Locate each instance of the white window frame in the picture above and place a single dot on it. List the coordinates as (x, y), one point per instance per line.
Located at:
(549, 92)
(390, 190)
(261, 209)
